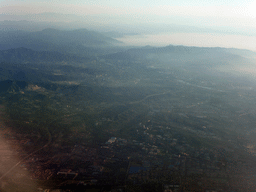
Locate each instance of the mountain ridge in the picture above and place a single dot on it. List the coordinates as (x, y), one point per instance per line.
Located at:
(53, 39)
(23, 54)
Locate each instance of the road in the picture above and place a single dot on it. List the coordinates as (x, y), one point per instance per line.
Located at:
(32, 153)
(157, 94)
(29, 155)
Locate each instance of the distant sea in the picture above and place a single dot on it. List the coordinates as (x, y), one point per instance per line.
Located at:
(193, 39)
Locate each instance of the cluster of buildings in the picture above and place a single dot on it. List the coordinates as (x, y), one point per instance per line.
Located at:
(160, 154)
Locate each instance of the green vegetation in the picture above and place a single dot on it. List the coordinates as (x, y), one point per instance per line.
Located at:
(158, 110)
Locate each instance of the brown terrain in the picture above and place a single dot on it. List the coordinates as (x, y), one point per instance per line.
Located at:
(13, 175)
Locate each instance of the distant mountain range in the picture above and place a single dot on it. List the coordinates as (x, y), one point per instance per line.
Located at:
(52, 39)
(184, 54)
(24, 55)
(35, 22)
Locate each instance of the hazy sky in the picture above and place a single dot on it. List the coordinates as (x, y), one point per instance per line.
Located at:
(237, 17)
(236, 13)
